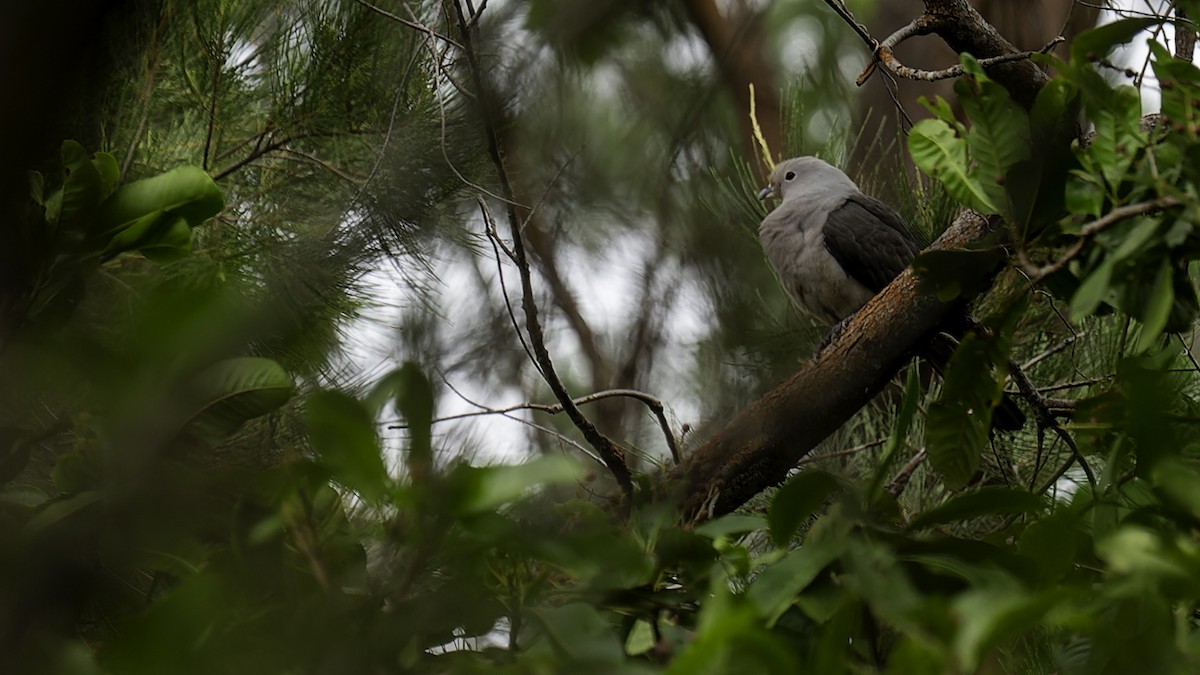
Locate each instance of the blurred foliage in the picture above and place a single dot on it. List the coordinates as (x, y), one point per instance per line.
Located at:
(199, 474)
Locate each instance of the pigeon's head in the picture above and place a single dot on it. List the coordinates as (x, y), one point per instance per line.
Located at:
(801, 175)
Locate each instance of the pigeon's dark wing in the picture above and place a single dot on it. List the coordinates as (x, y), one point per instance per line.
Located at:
(870, 241)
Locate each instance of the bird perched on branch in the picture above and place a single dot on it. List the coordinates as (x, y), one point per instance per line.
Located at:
(834, 248)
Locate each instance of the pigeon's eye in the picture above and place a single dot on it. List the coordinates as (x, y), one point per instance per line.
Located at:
(789, 175)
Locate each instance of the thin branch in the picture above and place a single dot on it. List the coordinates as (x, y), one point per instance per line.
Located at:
(654, 404)
(893, 65)
(147, 93)
(808, 459)
(612, 455)
(896, 487)
(489, 226)
(842, 11)
(1046, 420)
(1067, 342)
(411, 24)
(1091, 230)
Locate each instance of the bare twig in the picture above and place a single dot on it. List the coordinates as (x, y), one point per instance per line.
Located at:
(489, 225)
(612, 455)
(1063, 344)
(152, 51)
(654, 404)
(1090, 230)
(839, 8)
(808, 459)
(896, 487)
(1046, 420)
(411, 24)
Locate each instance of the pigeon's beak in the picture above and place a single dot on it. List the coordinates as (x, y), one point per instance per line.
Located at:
(765, 192)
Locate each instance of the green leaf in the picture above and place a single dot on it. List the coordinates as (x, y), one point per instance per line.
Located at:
(185, 192)
(732, 524)
(1119, 137)
(899, 435)
(342, 432)
(579, 632)
(776, 587)
(61, 509)
(1092, 291)
(411, 391)
(1084, 194)
(796, 501)
(958, 423)
(171, 242)
(483, 489)
(1098, 42)
(234, 391)
(1156, 312)
(941, 154)
(1179, 483)
(953, 272)
(999, 135)
(82, 190)
(983, 502)
(993, 613)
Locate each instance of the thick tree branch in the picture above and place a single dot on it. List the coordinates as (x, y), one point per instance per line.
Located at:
(963, 29)
(764, 441)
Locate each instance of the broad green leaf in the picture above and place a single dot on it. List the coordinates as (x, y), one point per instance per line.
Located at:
(413, 395)
(899, 435)
(582, 634)
(1180, 483)
(732, 524)
(60, 509)
(342, 431)
(185, 192)
(953, 272)
(640, 639)
(776, 587)
(983, 502)
(1135, 236)
(1180, 85)
(1084, 195)
(1156, 312)
(940, 108)
(1138, 551)
(796, 501)
(485, 488)
(1098, 42)
(1092, 291)
(82, 190)
(730, 639)
(987, 615)
(999, 135)
(26, 496)
(172, 242)
(1119, 137)
(234, 391)
(957, 425)
(1052, 542)
(941, 154)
